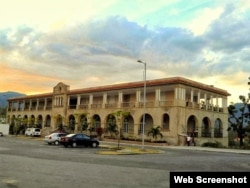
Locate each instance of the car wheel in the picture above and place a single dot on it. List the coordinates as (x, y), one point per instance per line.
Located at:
(74, 144)
(94, 145)
(56, 142)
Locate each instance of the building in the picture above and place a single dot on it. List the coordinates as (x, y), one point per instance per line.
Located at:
(178, 105)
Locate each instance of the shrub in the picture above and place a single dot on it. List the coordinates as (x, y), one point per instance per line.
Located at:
(212, 144)
(99, 131)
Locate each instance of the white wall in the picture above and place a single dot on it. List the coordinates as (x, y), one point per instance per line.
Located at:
(4, 128)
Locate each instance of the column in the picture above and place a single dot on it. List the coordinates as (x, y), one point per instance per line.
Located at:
(192, 96)
(138, 98)
(45, 104)
(78, 101)
(104, 99)
(120, 99)
(37, 104)
(90, 101)
(205, 101)
(30, 104)
(157, 96)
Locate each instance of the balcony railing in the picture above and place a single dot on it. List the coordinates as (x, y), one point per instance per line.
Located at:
(40, 107)
(127, 104)
(165, 103)
(96, 105)
(83, 106)
(133, 104)
(111, 105)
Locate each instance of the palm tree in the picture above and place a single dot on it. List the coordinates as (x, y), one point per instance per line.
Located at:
(154, 132)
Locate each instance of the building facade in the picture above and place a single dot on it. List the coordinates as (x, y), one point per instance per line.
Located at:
(178, 105)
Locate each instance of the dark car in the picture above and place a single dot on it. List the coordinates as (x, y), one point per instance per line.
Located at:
(1, 134)
(79, 139)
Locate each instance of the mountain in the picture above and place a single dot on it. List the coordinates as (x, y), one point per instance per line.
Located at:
(6, 95)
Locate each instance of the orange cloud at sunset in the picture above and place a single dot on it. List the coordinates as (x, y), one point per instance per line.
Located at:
(13, 80)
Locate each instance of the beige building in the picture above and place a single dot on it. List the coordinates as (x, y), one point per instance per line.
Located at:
(178, 105)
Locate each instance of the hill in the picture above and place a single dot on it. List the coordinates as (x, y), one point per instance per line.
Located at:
(6, 95)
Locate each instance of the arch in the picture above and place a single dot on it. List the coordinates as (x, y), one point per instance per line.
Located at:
(16, 125)
(24, 120)
(192, 129)
(40, 121)
(128, 125)
(71, 122)
(31, 121)
(206, 128)
(47, 121)
(218, 133)
(110, 118)
(83, 122)
(12, 119)
(165, 122)
(96, 121)
(58, 121)
(148, 124)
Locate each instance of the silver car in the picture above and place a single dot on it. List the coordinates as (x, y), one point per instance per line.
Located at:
(54, 138)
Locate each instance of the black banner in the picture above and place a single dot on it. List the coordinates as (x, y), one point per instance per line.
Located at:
(197, 179)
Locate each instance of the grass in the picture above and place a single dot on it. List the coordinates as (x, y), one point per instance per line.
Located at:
(111, 150)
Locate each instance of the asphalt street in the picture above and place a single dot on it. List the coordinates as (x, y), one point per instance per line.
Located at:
(30, 163)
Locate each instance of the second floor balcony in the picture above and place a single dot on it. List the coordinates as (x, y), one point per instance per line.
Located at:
(115, 105)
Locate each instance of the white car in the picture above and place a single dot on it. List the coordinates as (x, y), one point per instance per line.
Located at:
(54, 138)
(33, 132)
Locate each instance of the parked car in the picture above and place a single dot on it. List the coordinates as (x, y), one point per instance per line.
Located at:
(54, 138)
(33, 132)
(79, 139)
(1, 134)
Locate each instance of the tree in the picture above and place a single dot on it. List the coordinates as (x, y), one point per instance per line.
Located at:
(154, 132)
(239, 121)
(3, 111)
(83, 121)
(92, 125)
(72, 125)
(84, 126)
(113, 127)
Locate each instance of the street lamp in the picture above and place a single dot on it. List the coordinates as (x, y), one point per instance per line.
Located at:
(144, 101)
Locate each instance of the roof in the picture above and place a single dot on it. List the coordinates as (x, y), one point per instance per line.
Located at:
(156, 82)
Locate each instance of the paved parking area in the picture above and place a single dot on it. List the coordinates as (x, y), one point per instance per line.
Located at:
(28, 163)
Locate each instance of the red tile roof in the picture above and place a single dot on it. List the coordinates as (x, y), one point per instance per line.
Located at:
(156, 82)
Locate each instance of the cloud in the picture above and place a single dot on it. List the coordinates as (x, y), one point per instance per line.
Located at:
(104, 50)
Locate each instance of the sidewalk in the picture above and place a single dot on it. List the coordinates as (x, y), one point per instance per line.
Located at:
(163, 145)
(198, 148)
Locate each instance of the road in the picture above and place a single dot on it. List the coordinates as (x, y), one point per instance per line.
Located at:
(29, 163)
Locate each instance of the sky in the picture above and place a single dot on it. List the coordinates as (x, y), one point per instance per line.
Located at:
(85, 43)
